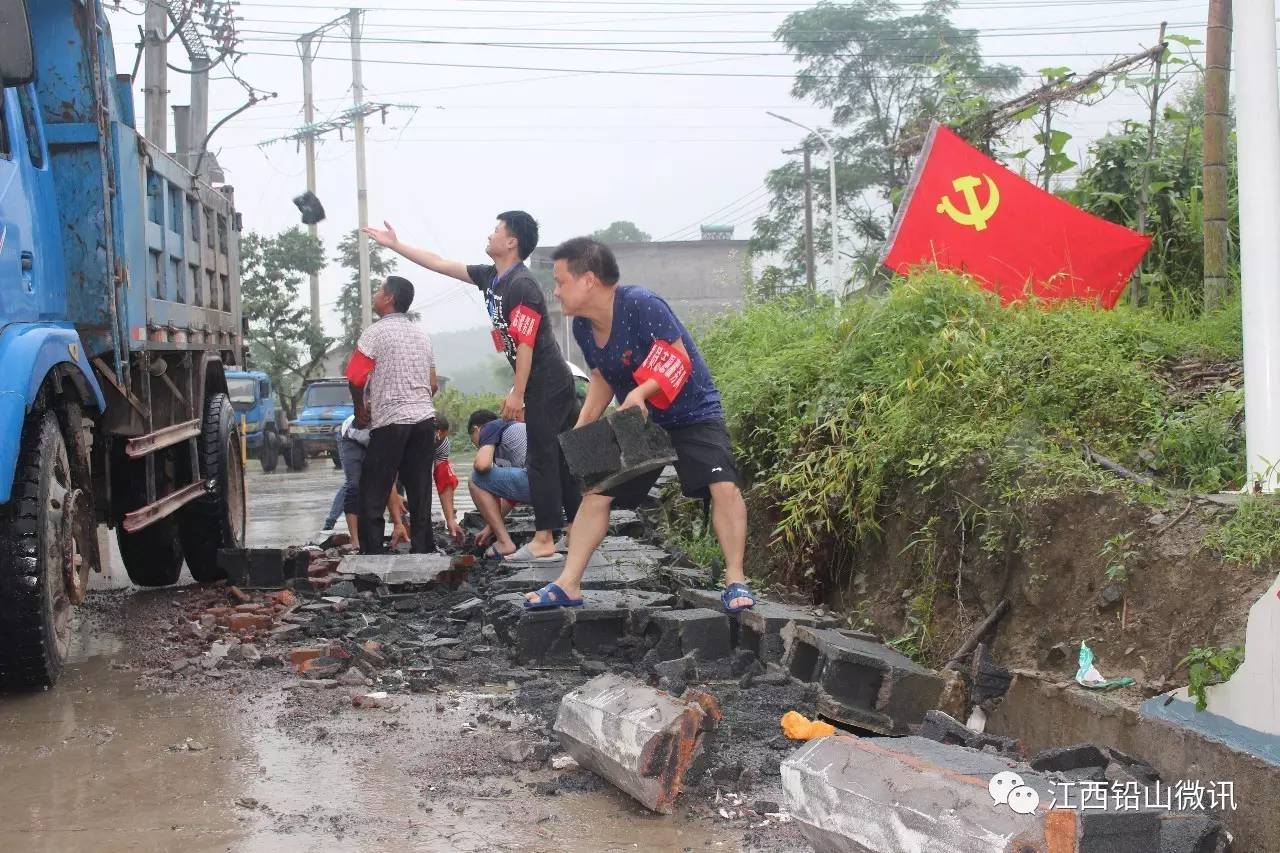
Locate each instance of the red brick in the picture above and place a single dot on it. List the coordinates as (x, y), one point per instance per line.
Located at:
(238, 595)
(248, 608)
(241, 622)
(283, 598)
(299, 657)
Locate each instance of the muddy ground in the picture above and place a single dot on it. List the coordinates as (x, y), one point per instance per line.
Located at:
(146, 744)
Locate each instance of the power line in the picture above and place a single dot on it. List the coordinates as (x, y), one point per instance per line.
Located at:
(754, 191)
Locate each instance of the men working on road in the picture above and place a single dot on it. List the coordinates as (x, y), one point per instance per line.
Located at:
(639, 352)
(542, 395)
(499, 479)
(395, 355)
(446, 479)
(352, 444)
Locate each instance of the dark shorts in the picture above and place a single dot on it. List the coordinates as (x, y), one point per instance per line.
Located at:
(704, 456)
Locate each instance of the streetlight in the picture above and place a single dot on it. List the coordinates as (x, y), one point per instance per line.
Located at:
(836, 283)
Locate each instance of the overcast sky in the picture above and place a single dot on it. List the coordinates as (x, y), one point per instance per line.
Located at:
(577, 149)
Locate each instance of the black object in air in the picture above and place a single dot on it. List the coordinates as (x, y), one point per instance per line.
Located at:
(312, 209)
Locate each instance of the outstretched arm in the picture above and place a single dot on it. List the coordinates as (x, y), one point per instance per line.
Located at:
(387, 237)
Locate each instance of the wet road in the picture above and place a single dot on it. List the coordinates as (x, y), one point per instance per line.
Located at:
(118, 758)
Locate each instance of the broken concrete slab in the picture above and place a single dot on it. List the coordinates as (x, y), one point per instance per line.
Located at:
(615, 449)
(638, 738)
(600, 575)
(863, 683)
(892, 795)
(262, 568)
(704, 633)
(764, 628)
(402, 569)
(945, 729)
(561, 638)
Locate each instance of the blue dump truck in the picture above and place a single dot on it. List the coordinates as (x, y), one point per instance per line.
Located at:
(262, 420)
(119, 309)
(326, 403)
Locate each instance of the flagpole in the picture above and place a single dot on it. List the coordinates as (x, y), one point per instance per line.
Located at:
(836, 281)
(1258, 153)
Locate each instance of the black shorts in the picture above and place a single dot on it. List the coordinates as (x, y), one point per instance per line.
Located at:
(704, 456)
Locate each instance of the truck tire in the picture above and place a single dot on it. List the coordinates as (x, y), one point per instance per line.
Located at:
(298, 459)
(39, 551)
(269, 455)
(216, 520)
(153, 555)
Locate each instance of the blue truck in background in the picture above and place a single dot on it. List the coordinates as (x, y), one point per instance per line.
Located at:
(326, 403)
(119, 310)
(268, 437)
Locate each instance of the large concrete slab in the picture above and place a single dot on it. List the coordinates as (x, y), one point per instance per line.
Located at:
(396, 569)
(564, 637)
(640, 739)
(600, 576)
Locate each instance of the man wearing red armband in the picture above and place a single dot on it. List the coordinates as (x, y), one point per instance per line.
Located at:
(640, 353)
(394, 359)
(542, 395)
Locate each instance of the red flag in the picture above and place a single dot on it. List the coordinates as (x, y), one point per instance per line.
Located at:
(964, 211)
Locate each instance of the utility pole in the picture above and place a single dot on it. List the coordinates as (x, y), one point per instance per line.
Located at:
(837, 282)
(1144, 192)
(810, 275)
(309, 116)
(1258, 154)
(362, 189)
(199, 113)
(156, 79)
(1217, 96)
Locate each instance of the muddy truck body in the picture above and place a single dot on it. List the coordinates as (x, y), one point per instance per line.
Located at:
(119, 309)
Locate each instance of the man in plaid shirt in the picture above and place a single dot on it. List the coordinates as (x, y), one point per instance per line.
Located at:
(395, 355)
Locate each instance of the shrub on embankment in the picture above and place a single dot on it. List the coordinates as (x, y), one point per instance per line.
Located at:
(937, 410)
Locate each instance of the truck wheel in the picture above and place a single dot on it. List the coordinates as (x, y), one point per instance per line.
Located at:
(269, 455)
(40, 563)
(153, 555)
(216, 520)
(298, 459)
(337, 460)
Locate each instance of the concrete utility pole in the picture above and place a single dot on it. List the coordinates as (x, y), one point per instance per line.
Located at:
(837, 283)
(156, 72)
(309, 116)
(199, 114)
(1258, 154)
(362, 189)
(1217, 99)
(810, 274)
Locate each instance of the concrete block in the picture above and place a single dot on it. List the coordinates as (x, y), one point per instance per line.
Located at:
(862, 683)
(601, 574)
(1192, 833)
(560, 638)
(638, 738)
(912, 795)
(615, 449)
(764, 628)
(945, 729)
(1064, 758)
(402, 569)
(699, 631)
(262, 568)
(544, 638)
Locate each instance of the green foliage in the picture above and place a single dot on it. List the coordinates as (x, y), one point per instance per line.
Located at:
(457, 406)
(1118, 552)
(885, 75)
(1202, 448)
(1209, 666)
(836, 409)
(1251, 536)
(622, 232)
(282, 341)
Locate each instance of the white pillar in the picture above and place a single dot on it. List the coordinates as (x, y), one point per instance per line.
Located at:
(1258, 148)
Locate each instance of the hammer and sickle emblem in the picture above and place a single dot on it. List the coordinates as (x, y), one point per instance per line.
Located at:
(974, 214)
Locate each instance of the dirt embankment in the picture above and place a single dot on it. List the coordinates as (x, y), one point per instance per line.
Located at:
(933, 588)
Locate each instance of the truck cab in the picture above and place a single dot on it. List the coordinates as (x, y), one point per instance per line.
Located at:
(326, 403)
(119, 307)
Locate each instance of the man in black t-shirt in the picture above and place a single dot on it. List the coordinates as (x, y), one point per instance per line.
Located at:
(543, 392)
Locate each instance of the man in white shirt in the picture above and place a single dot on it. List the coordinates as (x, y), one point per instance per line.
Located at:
(395, 355)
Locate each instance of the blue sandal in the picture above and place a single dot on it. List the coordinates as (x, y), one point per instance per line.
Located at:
(737, 590)
(551, 597)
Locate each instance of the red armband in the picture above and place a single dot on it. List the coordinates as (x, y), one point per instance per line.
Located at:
(523, 325)
(445, 478)
(359, 368)
(667, 366)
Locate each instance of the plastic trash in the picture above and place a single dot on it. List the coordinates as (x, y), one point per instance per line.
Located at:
(797, 726)
(1088, 676)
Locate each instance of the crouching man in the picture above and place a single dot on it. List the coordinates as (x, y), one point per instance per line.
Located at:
(642, 355)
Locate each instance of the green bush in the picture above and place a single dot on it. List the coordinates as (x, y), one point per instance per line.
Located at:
(835, 406)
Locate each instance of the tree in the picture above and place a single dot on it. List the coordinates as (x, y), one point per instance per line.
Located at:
(622, 232)
(380, 266)
(282, 342)
(885, 76)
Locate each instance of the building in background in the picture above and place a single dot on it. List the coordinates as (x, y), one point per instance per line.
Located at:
(700, 279)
